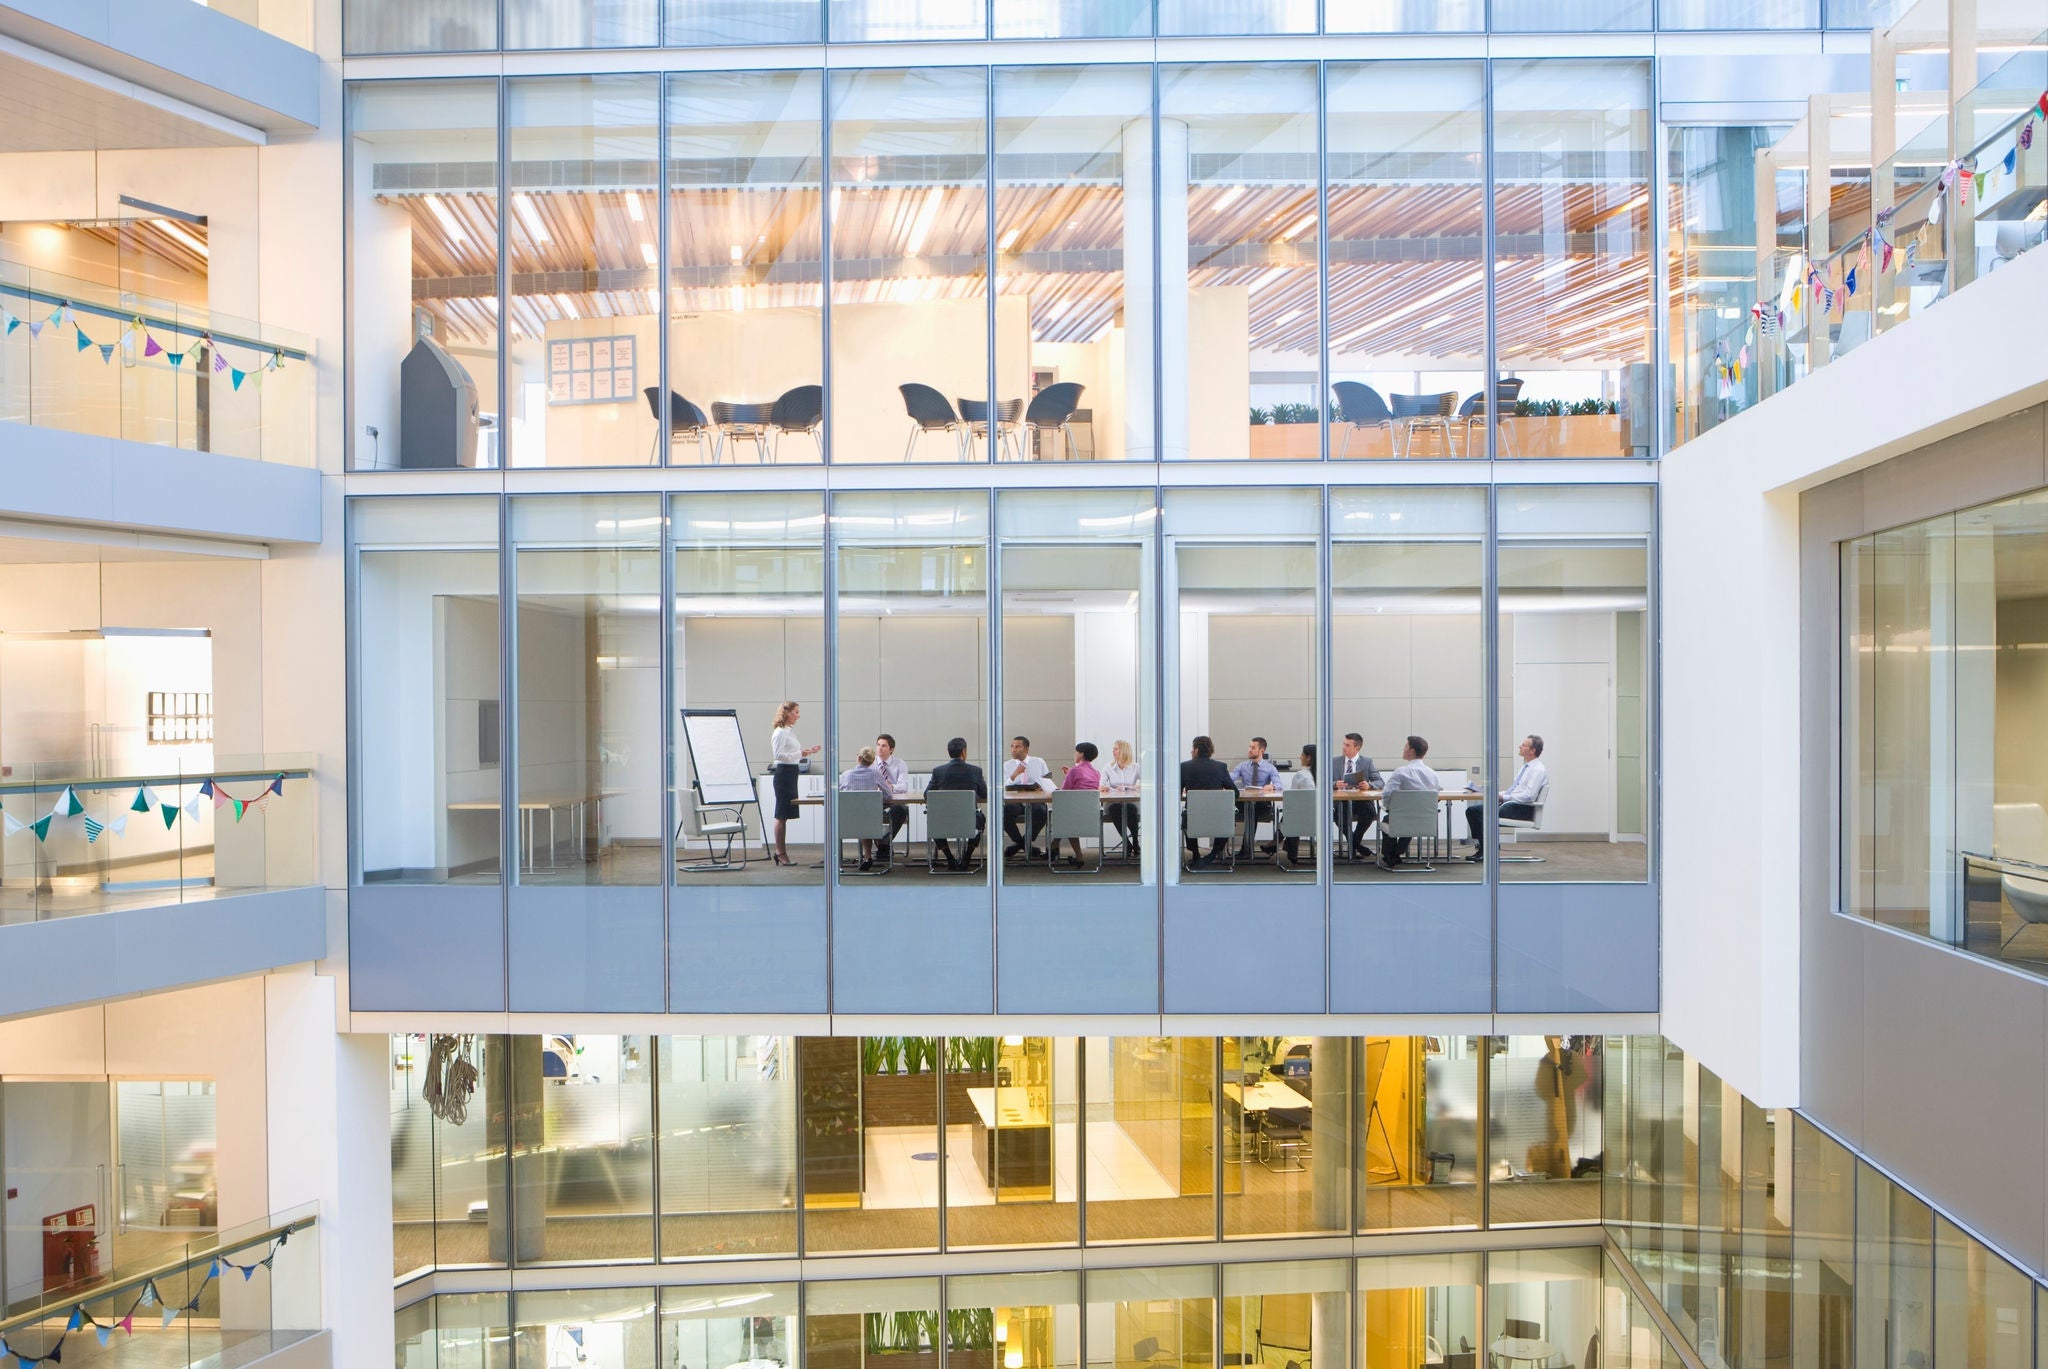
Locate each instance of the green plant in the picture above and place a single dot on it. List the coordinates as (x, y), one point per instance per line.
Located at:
(874, 1051)
(920, 1054)
(970, 1054)
(1586, 408)
(971, 1328)
(1296, 413)
(1261, 416)
(899, 1333)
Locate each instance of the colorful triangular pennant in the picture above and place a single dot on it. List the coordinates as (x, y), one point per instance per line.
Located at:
(170, 812)
(68, 804)
(140, 803)
(41, 826)
(93, 828)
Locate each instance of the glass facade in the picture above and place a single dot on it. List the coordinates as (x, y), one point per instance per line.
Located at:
(1215, 261)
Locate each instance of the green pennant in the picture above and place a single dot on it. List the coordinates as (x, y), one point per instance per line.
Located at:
(170, 811)
(41, 826)
(69, 805)
(141, 804)
(240, 807)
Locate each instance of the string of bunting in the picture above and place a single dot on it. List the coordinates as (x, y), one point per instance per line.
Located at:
(146, 800)
(64, 315)
(150, 1296)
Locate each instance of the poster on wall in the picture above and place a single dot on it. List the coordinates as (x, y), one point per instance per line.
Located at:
(591, 371)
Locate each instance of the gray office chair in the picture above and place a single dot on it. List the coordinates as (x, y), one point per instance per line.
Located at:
(686, 423)
(948, 816)
(1359, 406)
(728, 825)
(801, 410)
(1534, 824)
(1052, 409)
(1407, 813)
(1424, 414)
(862, 817)
(1075, 813)
(739, 423)
(930, 412)
(1473, 414)
(1212, 817)
(975, 414)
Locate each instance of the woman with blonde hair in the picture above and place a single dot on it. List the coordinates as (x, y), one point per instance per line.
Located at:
(788, 754)
(1122, 774)
(865, 775)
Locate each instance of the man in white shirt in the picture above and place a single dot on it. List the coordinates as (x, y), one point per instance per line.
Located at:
(1412, 774)
(1518, 800)
(1023, 772)
(897, 775)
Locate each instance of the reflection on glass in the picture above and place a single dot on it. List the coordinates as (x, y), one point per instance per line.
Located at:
(1418, 1140)
(472, 1209)
(1413, 1306)
(910, 321)
(1073, 223)
(1012, 1103)
(1713, 265)
(1739, 14)
(869, 1109)
(1543, 1305)
(412, 1160)
(1572, 223)
(1407, 283)
(1286, 1119)
(1404, 16)
(723, 23)
(746, 294)
(882, 1323)
(378, 26)
(1569, 16)
(1243, 631)
(1572, 792)
(1077, 677)
(749, 617)
(471, 1330)
(1407, 569)
(727, 1324)
(583, 157)
(1072, 18)
(600, 1327)
(1151, 1317)
(913, 649)
(1545, 1129)
(1286, 1311)
(1152, 1137)
(580, 24)
(1824, 1247)
(727, 1145)
(589, 583)
(900, 21)
(427, 681)
(1239, 311)
(1014, 1321)
(1236, 16)
(423, 273)
(582, 1158)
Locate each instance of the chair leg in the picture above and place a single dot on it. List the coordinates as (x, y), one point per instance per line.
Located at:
(910, 443)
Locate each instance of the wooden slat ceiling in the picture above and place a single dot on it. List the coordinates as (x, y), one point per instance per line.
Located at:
(1572, 278)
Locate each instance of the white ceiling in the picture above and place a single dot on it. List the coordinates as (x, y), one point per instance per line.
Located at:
(46, 108)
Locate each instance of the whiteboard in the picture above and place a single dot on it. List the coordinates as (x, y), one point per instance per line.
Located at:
(719, 756)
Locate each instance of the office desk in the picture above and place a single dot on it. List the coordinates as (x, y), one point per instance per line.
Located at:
(1266, 1095)
(530, 808)
(1012, 1141)
(1445, 799)
(1523, 1350)
(1007, 796)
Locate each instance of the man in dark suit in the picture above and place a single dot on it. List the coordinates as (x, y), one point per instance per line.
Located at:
(1203, 771)
(1356, 771)
(955, 773)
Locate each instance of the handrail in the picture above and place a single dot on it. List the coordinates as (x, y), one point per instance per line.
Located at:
(136, 1281)
(152, 320)
(2004, 862)
(58, 786)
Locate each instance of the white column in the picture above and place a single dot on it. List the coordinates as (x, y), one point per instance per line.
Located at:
(1960, 221)
(1819, 180)
(1156, 361)
(1884, 141)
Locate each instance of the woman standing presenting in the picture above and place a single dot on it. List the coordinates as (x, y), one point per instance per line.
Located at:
(788, 754)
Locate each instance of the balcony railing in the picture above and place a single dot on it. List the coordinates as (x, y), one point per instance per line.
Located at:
(89, 358)
(76, 841)
(224, 1298)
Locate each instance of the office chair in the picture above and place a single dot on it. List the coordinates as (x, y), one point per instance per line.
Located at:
(1473, 413)
(1050, 411)
(930, 412)
(1521, 1328)
(1075, 813)
(801, 410)
(1407, 813)
(1211, 816)
(1425, 414)
(1534, 824)
(949, 816)
(744, 423)
(864, 817)
(686, 423)
(1360, 406)
(1294, 821)
(974, 413)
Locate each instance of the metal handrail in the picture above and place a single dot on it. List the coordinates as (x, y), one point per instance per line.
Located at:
(2005, 862)
(136, 1281)
(170, 325)
(58, 786)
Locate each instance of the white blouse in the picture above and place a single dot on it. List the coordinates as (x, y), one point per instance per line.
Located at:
(785, 747)
(1120, 776)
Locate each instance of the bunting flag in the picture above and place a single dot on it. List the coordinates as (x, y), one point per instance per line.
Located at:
(1849, 284)
(93, 828)
(41, 826)
(70, 805)
(170, 814)
(266, 359)
(141, 803)
(11, 823)
(1886, 264)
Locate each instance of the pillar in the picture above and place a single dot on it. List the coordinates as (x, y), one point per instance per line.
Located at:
(1884, 142)
(512, 1104)
(1819, 182)
(1960, 223)
(1155, 362)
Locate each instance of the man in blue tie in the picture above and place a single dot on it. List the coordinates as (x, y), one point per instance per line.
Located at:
(1518, 800)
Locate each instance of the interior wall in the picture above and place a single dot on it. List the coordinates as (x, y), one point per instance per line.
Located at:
(920, 677)
(1398, 674)
(751, 665)
(1039, 684)
(2021, 712)
(1219, 392)
(1564, 692)
(1261, 682)
(940, 343)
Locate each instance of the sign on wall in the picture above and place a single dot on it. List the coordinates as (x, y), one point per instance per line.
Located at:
(591, 370)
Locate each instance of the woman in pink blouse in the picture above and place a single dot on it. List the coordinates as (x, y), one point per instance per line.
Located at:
(1082, 774)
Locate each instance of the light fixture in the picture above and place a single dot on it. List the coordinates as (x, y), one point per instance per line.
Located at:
(1301, 225)
(1002, 1329)
(736, 253)
(647, 253)
(448, 223)
(1008, 241)
(926, 216)
(1228, 197)
(567, 306)
(180, 236)
(1013, 1358)
(633, 209)
(530, 216)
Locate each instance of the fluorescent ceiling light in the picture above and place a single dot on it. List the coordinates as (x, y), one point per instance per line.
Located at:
(926, 216)
(1229, 197)
(179, 235)
(1465, 282)
(448, 223)
(633, 209)
(530, 216)
(647, 253)
(1301, 226)
(1009, 240)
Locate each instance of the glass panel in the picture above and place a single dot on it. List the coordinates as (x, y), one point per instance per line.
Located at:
(875, 1323)
(1236, 16)
(470, 1330)
(605, 1328)
(899, 21)
(727, 1324)
(869, 1109)
(746, 294)
(1544, 1099)
(1243, 634)
(1572, 224)
(1418, 1309)
(582, 1148)
(423, 273)
(1418, 1142)
(1151, 1142)
(580, 24)
(910, 322)
(583, 157)
(589, 583)
(1713, 264)
(732, 23)
(1407, 575)
(1824, 1249)
(1011, 1107)
(1569, 16)
(413, 1171)
(1573, 798)
(913, 645)
(1738, 14)
(1404, 16)
(1239, 312)
(1983, 1307)
(375, 26)
(1762, 1325)
(1407, 275)
(472, 1203)
(1282, 1312)
(1073, 214)
(1013, 1321)
(1077, 677)
(1543, 1305)
(1152, 1317)
(1286, 1130)
(750, 637)
(428, 778)
(1073, 18)
(728, 1146)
